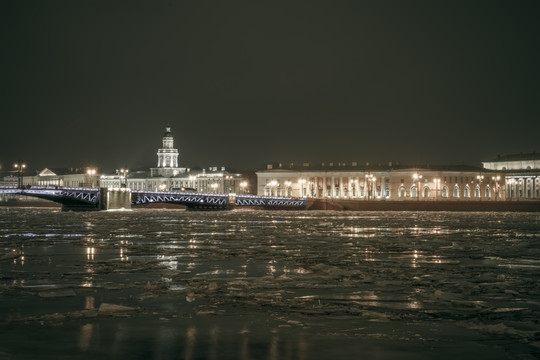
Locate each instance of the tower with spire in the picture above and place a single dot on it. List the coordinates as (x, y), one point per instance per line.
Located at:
(167, 157)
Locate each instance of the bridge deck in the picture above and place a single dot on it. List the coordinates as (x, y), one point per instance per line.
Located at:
(91, 197)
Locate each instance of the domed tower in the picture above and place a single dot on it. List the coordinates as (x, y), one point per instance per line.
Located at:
(167, 157)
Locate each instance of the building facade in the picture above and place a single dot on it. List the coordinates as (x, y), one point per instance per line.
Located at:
(167, 158)
(522, 174)
(168, 175)
(376, 183)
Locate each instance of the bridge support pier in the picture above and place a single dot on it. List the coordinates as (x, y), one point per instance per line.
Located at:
(110, 199)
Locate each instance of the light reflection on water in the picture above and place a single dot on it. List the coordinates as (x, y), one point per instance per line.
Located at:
(312, 274)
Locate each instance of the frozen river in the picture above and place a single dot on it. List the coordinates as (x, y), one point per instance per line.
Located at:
(169, 284)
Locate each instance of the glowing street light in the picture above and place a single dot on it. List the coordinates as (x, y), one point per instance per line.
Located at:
(288, 187)
(20, 166)
(123, 176)
(370, 179)
(437, 182)
(417, 178)
(91, 176)
(243, 186)
(511, 184)
(496, 179)
(437, 186)
(302, 182)
(480, 179)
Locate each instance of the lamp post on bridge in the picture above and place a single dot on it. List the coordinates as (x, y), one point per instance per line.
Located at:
(123, 173)
(19, 166)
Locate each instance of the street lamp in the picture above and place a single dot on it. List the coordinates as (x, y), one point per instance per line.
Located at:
(302, 183)
(192, 179)
(354, 185)
(19, 166)
(417, 178)
(288, 188)
(273, 186)
(243, 186)
(123, 177)
(480, 179)
(91, 173)
(369, 185)
(437, 182)
(496, 179)
(511, 183)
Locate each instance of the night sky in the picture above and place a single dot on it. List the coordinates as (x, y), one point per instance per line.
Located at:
(246, 83)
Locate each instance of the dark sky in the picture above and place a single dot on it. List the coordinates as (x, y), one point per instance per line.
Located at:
(245, 83)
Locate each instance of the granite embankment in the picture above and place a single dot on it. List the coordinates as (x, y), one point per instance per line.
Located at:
(411, 205)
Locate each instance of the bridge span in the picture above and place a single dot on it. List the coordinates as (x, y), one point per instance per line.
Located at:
(75, 198)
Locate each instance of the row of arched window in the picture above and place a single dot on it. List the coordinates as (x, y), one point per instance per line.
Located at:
(428, 192)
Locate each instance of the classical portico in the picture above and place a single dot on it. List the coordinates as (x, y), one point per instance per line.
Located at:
(522, 174)
(376, 183)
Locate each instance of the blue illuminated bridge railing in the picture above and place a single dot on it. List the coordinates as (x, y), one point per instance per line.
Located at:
(254, 200)
(194, 199)
(60, 194)
(91, 197)
(190, 199)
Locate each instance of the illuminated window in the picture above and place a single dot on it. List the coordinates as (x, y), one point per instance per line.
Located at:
(456, 191)
(445, 191)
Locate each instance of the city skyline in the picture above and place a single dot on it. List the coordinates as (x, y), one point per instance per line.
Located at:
(242, 85)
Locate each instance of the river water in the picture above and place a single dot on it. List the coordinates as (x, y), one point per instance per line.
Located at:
(171, 284)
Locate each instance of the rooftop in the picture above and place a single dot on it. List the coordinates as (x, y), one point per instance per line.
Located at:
(516, 157)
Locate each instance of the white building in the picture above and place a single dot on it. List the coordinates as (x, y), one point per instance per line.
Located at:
(169, 176)
(167, 158)
(350, 181)
(522, 174)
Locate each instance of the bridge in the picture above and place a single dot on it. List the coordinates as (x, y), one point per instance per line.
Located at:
(76, 198)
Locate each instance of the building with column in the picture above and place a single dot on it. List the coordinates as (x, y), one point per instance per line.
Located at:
(168, 175)
(521, 172)
(167, 158)
(351, 181)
